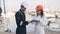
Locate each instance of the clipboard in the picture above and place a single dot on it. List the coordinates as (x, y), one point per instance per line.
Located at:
(34, 21)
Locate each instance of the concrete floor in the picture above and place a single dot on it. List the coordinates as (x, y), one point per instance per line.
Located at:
(13, 33)
(32, 33)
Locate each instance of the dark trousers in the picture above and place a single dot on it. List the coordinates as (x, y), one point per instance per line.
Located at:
(21, 30)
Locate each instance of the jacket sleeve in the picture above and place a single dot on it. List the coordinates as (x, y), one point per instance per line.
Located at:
(26, 22)
(18, 19)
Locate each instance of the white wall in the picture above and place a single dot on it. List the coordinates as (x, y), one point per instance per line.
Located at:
(14, 5)
(53, 5)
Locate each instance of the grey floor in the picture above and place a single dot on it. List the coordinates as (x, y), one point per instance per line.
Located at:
(32, 33)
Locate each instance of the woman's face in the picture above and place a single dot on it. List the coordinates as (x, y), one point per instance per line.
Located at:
(38, 12)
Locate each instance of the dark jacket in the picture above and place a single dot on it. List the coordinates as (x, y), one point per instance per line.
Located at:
(20, 16)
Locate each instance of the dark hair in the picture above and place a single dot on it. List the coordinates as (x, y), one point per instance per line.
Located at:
(42, 14)
(23, 6)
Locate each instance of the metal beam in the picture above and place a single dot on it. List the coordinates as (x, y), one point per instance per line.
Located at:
(4, 7)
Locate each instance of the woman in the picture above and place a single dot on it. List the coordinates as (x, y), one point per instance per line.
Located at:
(40, 20)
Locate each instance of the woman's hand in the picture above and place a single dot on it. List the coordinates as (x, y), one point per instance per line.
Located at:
(35, 21)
